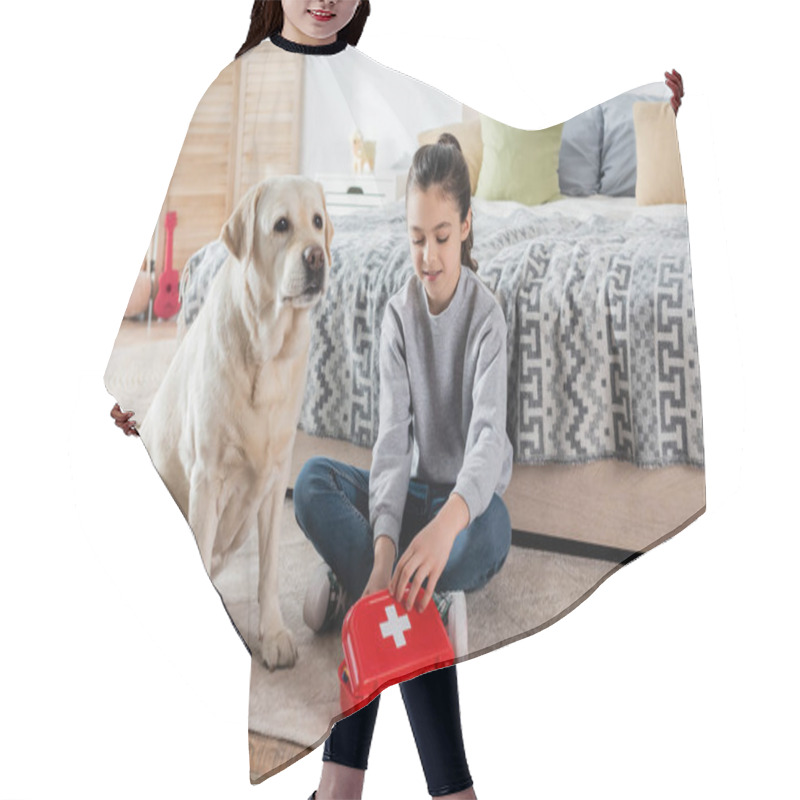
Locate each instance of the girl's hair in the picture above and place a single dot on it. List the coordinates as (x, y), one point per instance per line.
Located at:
(266, 19)
(443, 165)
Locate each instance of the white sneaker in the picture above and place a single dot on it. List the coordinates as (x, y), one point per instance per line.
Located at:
(452, 607)
(326, 603)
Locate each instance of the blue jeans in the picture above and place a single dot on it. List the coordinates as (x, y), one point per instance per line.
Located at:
(331, 505)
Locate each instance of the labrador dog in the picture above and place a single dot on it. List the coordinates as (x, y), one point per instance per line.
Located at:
(222, 425)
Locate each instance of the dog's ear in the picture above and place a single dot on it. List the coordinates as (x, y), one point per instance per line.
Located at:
(328, 226)
(238, 233)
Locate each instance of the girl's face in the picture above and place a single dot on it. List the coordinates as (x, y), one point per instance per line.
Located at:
(435, 233)
(315, 22)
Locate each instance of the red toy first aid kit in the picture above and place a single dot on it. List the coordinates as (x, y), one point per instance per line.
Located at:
(385, 644)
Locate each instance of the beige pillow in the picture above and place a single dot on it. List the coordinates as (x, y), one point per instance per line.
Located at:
(659, 178)
(469, 137)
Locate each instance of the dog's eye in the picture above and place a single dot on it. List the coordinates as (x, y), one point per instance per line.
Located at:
(318, 221)
(281, 226)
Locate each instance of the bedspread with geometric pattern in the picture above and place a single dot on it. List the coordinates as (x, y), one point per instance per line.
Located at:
(602, 344)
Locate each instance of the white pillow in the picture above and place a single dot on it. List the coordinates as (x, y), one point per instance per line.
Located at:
(579, 158)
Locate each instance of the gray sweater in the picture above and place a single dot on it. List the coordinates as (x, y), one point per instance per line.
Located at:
(442, 415)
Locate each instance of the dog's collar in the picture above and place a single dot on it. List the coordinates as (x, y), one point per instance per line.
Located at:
(308, 49)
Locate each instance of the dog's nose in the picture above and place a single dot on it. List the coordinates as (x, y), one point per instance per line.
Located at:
(314, 257)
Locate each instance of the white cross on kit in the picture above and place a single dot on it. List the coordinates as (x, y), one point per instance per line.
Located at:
(395, 626)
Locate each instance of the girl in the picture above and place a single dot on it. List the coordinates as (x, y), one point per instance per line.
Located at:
(440, 463)
(306, 23)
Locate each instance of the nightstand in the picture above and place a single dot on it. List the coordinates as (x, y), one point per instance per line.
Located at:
(345, 194)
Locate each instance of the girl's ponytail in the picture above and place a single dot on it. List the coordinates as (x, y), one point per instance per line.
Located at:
(443, 165)
(266, 19)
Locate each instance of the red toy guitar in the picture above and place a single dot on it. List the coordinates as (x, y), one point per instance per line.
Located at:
(167, 303)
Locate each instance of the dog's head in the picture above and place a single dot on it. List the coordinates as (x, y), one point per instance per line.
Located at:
(281, 232)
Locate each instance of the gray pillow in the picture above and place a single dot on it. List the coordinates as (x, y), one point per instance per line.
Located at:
(579, 157)
(618, 154)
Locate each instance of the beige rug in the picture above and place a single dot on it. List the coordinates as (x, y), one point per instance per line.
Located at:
(531, 591)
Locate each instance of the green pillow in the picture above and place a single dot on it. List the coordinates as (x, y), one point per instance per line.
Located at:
(519, 165)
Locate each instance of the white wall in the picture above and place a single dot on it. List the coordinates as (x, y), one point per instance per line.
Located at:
(351, 91)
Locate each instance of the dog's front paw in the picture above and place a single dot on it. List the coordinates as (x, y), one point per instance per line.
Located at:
(278, 649)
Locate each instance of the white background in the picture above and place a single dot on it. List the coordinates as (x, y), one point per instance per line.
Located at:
(120, 675)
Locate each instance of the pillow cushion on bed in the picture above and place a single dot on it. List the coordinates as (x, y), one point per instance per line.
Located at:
(469, 137)
(659, 177)
(519, 165)
(579, 159)
(618, 157)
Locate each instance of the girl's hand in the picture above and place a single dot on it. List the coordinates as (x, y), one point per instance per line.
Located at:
(426, 556)
(378, 580)
(382, 566)
(124, 420)
(675, 83)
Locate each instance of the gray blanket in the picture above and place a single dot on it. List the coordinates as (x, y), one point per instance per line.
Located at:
(602, 346)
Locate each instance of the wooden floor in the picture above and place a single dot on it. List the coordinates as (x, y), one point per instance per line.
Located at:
(266, 754)
(139, 331)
